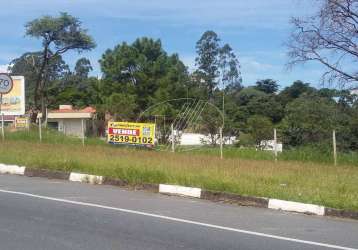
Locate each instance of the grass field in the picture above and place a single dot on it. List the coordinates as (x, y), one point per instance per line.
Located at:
(317, 183)
(303, 154)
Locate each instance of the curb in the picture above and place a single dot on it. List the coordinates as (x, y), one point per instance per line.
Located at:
(298, 207)
(180, 190)
(12, 169)
(199, 193)
(86, 178)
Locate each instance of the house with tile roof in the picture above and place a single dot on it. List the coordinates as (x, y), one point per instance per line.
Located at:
(70, 121)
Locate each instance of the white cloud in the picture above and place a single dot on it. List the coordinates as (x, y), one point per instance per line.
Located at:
(3, 68)
(251, 64)
(258, 13)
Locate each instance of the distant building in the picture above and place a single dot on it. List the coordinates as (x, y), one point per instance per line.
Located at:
(196, 139)
(354, 91)
(69, 120)
(269, 145)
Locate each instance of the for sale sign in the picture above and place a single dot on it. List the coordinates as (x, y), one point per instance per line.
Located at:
(131, 133)
(21, 122)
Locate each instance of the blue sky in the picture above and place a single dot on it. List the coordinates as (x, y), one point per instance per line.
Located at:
(255, 29)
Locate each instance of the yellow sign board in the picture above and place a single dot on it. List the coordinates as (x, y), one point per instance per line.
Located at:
(131, 133)
(21, 122)
(13, 103)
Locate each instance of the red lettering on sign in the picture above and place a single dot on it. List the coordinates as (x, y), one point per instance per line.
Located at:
(119, 131)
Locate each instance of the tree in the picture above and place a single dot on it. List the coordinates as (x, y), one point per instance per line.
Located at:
(268, 86)
(267, 106)
(29, 65)
(260, 128)
(121, 105)
(208, 50)
(330, 38)
(58, 35)
(83, 67)
(245, 95)
(294, 91)
(216, 64)
(309, 119)
(143, 69)
(229, 69)
(353, 130)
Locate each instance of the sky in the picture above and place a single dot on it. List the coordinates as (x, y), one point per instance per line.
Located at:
(255, 29)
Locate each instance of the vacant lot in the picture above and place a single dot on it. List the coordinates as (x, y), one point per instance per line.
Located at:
(299, 181)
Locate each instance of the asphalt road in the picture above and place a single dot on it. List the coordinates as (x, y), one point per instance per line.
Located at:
(37, 214)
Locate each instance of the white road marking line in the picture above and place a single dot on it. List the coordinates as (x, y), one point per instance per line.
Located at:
(180, 220)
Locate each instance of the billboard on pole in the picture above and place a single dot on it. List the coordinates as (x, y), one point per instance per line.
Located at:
(131, 133)
(13, 103)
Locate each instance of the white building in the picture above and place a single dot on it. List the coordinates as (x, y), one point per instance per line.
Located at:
(269, 145)
(354, 91)
(70, 121)
(192, 139)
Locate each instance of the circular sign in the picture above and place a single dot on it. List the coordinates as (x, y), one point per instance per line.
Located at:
(5, 83)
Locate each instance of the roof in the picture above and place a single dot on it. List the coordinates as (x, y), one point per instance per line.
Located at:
(70, 110)
(69, 113)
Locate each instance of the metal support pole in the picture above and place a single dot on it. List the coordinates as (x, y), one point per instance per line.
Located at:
(40, 129)
(275, 143)
(83, 133)
(173, 138)
(221, 143)
(2, 119)
(334, 148)
(2, 127)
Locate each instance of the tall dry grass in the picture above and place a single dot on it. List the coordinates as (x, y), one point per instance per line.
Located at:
(306, 182)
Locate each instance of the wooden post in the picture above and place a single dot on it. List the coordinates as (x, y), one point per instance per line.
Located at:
(40, 129)
(275, 143)
(46, 118)
(28, 125)
(83, 133)
(173, 138)
(334, 148)
(221, 143)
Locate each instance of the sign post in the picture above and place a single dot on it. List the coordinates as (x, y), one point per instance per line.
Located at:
(6, 85)
(2, 127)
(21, 123)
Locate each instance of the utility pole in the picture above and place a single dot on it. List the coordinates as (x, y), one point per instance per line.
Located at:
(2, 119)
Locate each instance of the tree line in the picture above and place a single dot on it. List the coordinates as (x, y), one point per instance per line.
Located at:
(139, 74)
